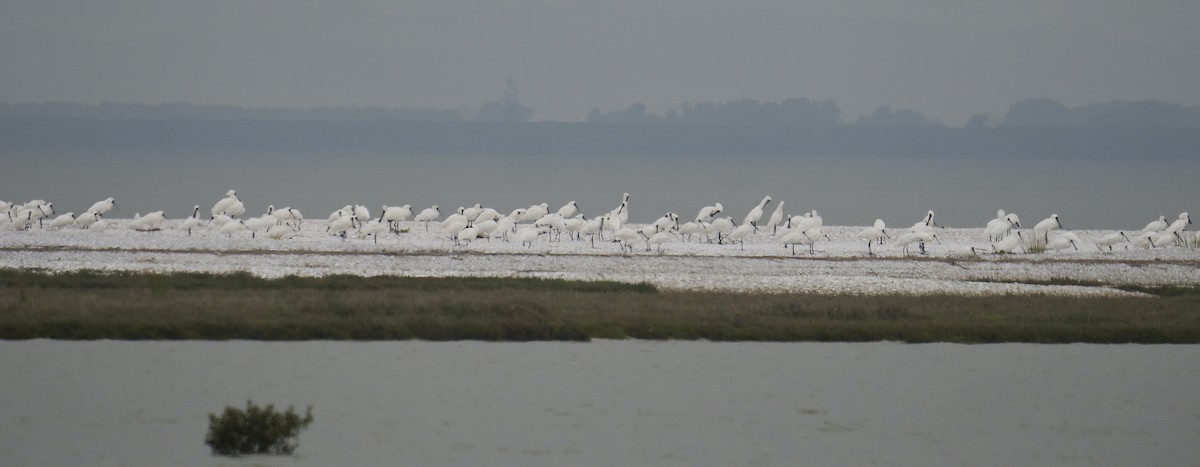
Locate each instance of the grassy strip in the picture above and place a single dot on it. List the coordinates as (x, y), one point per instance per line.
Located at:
(200, 306)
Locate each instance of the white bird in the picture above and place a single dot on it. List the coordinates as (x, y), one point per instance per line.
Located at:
(361, 213)
(429, 214)
(527, 235)
(99, 226)
(553, 222)
(231, 228)
(1009, 244)
(36, 210)
(626, 236)
(535, 212)
(505, 225)
(222, 206)
(451, 228)
(473, 212)
(453, 218)
(1180, 223)
(1143, 240)
(872, 234)
(1064, 240)
(809, 237)
(707, 213)
(920, 238)
(1166, 238)
(220, 220)
(278, 231)
(574, 225)
(86, 219)
(622, 212)
(1110, 240)
(928, 220)
(374, 227)
(486, 228)
(255, 224)
(668, 220)
(658, 239)
(191, 222)
(149, 222)
(394, 215)
(289, 214)
(235, 209)
(568, 210)
(1156, 226)
(345, 211)
(720, 226)
(776, 218)
(691, 228)
(467, 235)
(740, 233)
(341, 225)
(756, 213)
(593, 228)
(804, 223)
(1000, 227)
(102, 207)
(1046, 225)
(488, 214)
(63, 221)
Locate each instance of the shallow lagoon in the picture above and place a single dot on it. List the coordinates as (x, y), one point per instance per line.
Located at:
(609, 402)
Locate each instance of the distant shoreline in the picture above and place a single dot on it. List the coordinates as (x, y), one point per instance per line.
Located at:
(556, 139)
(188, 306)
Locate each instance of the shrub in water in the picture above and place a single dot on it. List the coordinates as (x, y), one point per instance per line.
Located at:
(255, 430)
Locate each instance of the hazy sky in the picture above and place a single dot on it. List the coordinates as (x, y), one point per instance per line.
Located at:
(945, 58)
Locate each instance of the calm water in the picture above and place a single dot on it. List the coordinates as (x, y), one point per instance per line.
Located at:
(1096, 194)
(609, 403)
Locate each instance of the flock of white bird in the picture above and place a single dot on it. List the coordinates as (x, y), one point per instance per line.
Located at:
(538, 223)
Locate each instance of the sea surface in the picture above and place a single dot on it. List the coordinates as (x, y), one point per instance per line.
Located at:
(1087, 194)
(608, 403)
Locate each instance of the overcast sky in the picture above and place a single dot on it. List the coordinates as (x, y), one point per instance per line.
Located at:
(945, 58)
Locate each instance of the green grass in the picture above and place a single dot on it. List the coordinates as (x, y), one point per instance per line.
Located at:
(89, 305)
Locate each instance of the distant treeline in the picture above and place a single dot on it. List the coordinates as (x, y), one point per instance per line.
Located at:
(221, 112)
(1136, 114)
(553, 138)
(791, 113)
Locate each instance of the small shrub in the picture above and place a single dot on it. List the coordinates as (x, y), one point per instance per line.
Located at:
(1036, 243)
(255, 430)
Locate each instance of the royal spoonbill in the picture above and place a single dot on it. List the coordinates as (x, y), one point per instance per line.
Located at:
(776, 218)
(341, 225)
(103, 206)
(1046, 225)
(872, 234)
(1110, 240)
(63, 221)
(86, 219)
(756, 213)
(1064, 240)
(658, 239)
(740, 233)
(429, 214)
(1009, 244)
(374, 227)
(191, 222)
(1180, 223)
(920, 238)
(721, 226)
(568, 210)
(1156, 226)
